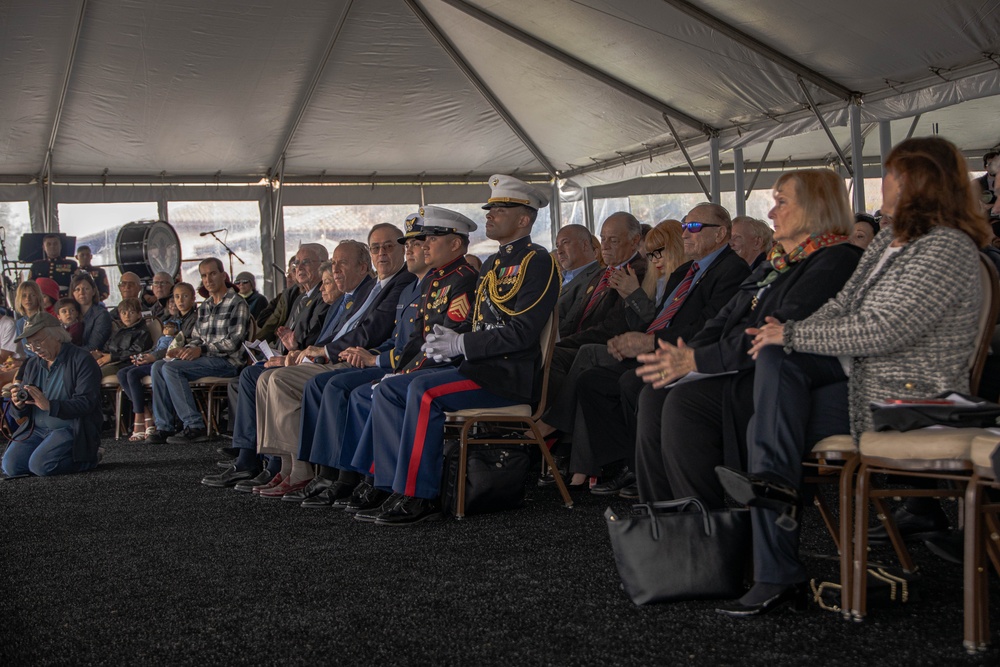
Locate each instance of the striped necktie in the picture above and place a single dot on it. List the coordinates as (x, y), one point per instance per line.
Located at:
(662, 320)
(602, 287)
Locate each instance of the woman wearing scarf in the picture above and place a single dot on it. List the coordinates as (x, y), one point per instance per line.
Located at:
(686, 431)
(904, 326)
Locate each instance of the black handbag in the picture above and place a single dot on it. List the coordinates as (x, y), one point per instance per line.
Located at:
(496, 477)
(679, 550)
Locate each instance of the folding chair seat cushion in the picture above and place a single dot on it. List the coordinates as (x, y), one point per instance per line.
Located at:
(835, 444)
(933, 448)
(981, 451)
(521, 410)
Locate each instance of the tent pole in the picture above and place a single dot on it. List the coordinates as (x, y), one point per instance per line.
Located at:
(687, 156)
(578, 65)
(857, 146)
(484, 90)
(739, 177)
(715, 169)
(588, 209)
(555, 211)
(826, 128)
(760, 165)
(913, 125)
(884, 139)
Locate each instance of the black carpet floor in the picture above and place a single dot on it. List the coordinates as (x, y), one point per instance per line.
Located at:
(138, 563)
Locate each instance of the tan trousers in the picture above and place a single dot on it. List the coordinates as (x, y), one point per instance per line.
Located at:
(279, 406)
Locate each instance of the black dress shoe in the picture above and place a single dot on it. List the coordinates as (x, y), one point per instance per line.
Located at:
(408, 511)
(369, 515)
(796, 596)
(331, 496)
(631, 491)
(755, 491)
(562, 465)
(228, 452)
(912, 527)
(189, 436)
(313, 488)
(247, 485)
(615, 484)
(368, 498)
(229, 478)
(159, 437)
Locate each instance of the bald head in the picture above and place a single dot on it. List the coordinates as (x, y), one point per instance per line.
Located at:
(573, 247)
(129, 285)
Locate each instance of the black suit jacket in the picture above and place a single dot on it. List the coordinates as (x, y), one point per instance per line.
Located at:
(378, 321)
(707, 296)
(607, 318)
(309, 321)
(722, 344)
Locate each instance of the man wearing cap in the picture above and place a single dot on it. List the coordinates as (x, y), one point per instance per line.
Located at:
(246, 284)
(215, 348)
(366, 321)
(62, 432)
(54, 265)
(343, 405)
(501, 359)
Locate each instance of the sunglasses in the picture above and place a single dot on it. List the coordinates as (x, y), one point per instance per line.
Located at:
(695, 227)
(242, 282)
(656, 254)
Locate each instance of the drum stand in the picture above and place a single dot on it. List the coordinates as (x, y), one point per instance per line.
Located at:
(230, 252)
(7, 269)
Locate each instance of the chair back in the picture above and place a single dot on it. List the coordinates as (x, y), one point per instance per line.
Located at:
(155, 328)
(548, 342)
(987, 321)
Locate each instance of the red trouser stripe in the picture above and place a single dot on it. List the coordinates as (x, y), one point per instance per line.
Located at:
(422, 418)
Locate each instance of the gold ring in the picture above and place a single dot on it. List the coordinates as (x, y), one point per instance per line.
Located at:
(663, 375)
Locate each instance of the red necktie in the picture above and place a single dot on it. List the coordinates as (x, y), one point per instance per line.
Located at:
(602, 287)
(662, 321)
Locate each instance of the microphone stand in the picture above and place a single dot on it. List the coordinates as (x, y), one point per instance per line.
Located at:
(230, 252)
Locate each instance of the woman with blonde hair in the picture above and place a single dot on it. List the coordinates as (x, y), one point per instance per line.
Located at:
(684, 432)
(904, 326)
(664, 252)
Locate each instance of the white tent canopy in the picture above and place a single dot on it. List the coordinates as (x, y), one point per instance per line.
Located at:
(454, 90)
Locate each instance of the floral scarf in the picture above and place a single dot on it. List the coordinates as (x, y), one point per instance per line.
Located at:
(781, 261)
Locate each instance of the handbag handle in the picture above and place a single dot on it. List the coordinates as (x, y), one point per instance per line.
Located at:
(675, 505)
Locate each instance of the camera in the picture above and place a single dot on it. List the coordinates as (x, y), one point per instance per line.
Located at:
(21, 394)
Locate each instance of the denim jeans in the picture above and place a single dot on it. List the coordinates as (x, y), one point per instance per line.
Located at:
(172, 394)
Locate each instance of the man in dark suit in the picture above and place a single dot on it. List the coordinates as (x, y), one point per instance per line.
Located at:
(603, 378)
(579, 264)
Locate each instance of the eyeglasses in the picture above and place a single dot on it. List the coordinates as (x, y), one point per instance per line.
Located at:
(387, 247)
(296, 263)
(36, 346)
(695, 227)
(656, 254)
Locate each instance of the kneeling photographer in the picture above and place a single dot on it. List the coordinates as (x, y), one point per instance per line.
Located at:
(59, 399)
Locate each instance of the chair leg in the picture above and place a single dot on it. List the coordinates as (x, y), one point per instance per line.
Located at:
(975, 575)
(463, 463)
(859, 598)
(895, 537)
(846, 498)
(547, 455)
(118, 413)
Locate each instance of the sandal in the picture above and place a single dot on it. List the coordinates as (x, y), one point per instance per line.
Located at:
(138, 436)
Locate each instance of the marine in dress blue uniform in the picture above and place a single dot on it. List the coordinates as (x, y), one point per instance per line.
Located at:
(501, 358)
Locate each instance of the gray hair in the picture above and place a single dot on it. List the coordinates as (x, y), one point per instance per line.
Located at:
(317, 249)
(360, 250)
(385, 225)
(326, 267)
(719, 213)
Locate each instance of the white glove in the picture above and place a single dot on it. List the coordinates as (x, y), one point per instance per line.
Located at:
(443, 344)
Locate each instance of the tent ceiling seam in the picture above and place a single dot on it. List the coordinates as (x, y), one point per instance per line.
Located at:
(511, 31)
(480, 85)
(311, 88)
(67, 77)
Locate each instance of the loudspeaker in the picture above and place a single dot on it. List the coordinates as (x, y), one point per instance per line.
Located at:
(31, 249)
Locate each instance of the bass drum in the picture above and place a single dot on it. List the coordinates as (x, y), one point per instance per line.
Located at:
(147, 247)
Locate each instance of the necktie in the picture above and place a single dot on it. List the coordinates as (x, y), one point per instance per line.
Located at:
(602, 287)
(360, 312)
(333, 317)
(662, 320)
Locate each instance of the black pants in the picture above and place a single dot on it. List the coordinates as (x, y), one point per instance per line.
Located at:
(799, 400)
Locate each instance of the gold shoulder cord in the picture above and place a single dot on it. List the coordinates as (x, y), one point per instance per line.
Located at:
(489, 283)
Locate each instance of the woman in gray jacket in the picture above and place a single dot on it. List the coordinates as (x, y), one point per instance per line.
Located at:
(904, 326)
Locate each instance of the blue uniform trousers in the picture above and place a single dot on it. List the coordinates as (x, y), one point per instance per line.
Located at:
(245, 422)
(408, 416)
(324, 413)
(43, 452)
